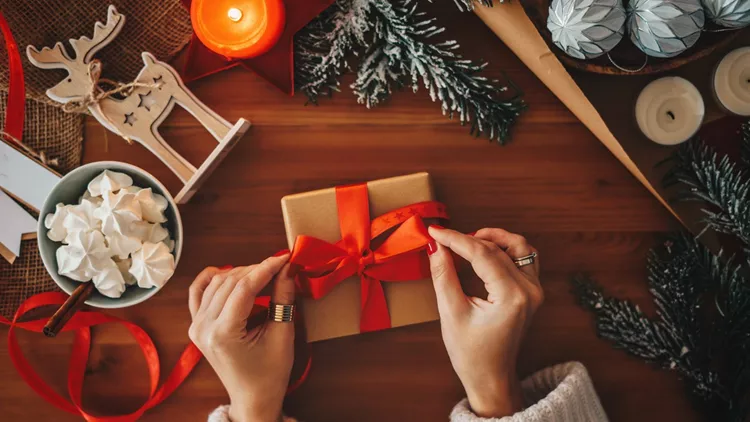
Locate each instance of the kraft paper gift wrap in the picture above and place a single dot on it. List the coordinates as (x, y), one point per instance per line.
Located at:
(338, 313)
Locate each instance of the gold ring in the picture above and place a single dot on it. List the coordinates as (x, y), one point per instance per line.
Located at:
(280, 313)
(525, 260)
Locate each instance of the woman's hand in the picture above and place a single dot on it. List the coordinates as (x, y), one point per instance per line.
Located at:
(483, 336)
(254, 365)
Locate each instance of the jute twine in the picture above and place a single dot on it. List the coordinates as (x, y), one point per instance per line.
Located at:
(161, 27)
(97, 93)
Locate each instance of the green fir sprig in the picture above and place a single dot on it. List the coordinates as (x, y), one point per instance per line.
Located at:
(393, 43)
(716, 181)
(701, 328)
(468, 5)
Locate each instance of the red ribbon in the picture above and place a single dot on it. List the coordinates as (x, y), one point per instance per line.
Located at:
(81, 323)
(14, 110)
(400, 257)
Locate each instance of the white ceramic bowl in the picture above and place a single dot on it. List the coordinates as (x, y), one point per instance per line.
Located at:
(68, 191)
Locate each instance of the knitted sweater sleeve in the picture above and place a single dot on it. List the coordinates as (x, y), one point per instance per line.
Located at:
(562, 393)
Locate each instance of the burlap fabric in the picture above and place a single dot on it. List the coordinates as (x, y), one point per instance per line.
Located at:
(159, 26)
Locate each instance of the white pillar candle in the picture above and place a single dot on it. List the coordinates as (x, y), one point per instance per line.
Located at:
(732, 82)
(669, 110)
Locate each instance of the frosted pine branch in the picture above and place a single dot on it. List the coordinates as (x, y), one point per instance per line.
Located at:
(745, 143)
(322, 47)
(702, 299)
(468, 5)
(677, 338)
(392, 40)
(718, 182)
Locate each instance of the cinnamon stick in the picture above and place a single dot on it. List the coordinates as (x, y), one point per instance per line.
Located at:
(76, 300)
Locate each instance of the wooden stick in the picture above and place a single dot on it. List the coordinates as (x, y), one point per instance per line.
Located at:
(76, 300)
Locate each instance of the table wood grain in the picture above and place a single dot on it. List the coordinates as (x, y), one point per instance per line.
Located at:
(555, 183)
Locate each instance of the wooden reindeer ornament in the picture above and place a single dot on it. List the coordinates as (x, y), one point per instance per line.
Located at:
(147, 101)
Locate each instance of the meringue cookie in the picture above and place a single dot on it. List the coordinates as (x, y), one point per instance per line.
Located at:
(97, 200)
(86, 255)
(118, 212)
(54, 222)
(170, 243)
(152, 205)
(80, 218)
(132, 189)
(109, 280)
(152, 265)
(109, 181)
(124, 265)
(121, 246)
(148, 232)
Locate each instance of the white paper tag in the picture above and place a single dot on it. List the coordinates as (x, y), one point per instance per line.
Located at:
(15, 222)
(24, 178)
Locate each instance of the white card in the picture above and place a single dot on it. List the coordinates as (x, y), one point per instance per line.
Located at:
(24, 178)
(15, 222)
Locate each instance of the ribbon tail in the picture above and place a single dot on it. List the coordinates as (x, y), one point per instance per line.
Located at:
(374, 308)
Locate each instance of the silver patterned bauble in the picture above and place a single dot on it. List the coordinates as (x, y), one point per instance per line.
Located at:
(665, 28)
(585, 29)
(728, 13)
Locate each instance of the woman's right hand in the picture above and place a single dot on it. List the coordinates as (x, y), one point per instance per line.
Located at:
(482, 337)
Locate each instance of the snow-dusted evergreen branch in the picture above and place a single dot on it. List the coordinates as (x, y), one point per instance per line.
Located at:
(745, 143)
(718, 182)
(702, 299)
(322, 47)
(400, 54)
(393, 42)
(682, 278)
(468, 5)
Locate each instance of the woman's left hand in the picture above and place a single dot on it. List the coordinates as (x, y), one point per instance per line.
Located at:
(253, 365)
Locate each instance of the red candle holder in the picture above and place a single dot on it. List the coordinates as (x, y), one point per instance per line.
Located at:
(238, 29)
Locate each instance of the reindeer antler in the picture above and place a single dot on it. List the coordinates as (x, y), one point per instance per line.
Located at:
(86, 48)
(49, 58)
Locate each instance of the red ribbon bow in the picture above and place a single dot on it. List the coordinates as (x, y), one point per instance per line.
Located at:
(400, 257)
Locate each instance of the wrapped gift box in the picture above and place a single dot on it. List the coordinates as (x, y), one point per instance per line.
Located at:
(337, 314)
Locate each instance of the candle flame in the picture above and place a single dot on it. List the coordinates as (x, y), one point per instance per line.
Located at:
(234, 14)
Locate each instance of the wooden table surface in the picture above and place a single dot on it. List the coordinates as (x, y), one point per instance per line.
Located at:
(555, 183)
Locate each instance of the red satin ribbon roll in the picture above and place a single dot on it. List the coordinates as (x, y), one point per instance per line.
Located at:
(400, 257)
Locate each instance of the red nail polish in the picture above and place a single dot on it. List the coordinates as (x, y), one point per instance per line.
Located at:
(472, 234)
(281, 253)
(226, 267)
(437, 226)
(431, 248)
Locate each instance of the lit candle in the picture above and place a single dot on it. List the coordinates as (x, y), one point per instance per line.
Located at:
(238, 28)
(732, 82)
(669, 110)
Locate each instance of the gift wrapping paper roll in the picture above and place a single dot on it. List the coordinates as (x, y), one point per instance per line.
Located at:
(669, 110)
(732, 82)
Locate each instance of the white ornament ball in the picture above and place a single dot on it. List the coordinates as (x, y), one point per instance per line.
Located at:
(665, 28)
(585, 29)
(728, 13)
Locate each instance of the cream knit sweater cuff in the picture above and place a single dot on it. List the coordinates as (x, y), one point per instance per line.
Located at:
(562, 393)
